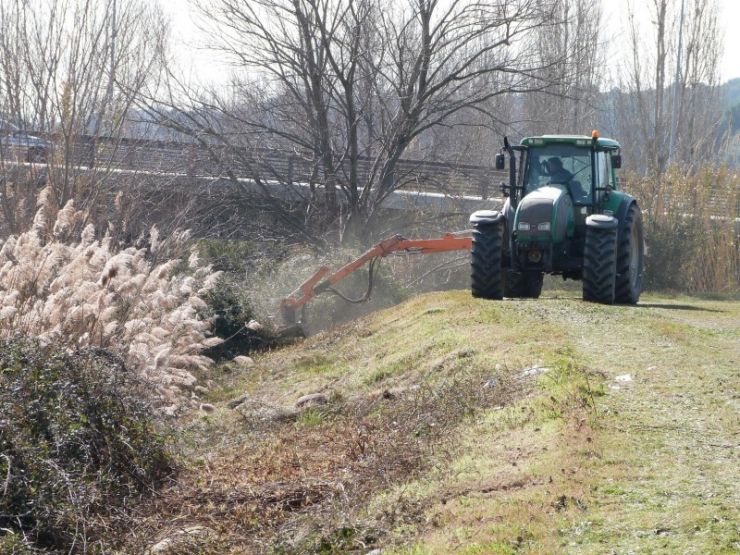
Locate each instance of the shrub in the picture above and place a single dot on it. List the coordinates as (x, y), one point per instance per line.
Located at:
(230, 308)
(76, 442)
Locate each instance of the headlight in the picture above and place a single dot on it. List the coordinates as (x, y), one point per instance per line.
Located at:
(544, 226)
(524, 226)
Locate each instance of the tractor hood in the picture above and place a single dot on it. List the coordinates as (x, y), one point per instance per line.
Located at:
(545, 214)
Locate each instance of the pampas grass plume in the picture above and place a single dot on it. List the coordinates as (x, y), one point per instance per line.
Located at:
(88, 293)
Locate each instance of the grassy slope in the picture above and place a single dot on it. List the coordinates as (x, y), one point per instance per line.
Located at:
(573, 461)
(657, 469)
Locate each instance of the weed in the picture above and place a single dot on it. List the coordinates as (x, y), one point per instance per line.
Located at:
(311, 417)
(692, 235)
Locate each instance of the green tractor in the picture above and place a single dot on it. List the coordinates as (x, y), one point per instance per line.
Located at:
(563, 214)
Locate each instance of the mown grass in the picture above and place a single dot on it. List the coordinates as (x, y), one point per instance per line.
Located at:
(647, 468)
(454, 424)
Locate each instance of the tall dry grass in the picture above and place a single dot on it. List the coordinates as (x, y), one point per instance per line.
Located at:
(692, 229)
(64, 286)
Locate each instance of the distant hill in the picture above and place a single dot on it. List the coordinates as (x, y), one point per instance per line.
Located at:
(730, 146)
(731, 91)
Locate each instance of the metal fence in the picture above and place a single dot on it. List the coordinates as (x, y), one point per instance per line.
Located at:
(453, 179)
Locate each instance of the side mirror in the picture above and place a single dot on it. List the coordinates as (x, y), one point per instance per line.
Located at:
(616, 161)
(500, 162)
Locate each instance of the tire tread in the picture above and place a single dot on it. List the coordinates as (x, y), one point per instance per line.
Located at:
(599, 266)
(627, 292)
(486, 274)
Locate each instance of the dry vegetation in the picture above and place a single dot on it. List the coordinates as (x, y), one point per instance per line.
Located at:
(400, 390)
(66, 287)
(451, 423)
(301, 481)
(692, 229)
(93, 336)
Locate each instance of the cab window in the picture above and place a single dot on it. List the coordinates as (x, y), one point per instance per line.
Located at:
(560, 164)
(604, 171)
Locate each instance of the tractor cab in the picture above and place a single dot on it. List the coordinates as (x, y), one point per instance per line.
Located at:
(559, 164)
(585, 166)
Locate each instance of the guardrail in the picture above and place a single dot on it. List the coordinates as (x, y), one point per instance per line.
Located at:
(191, 159)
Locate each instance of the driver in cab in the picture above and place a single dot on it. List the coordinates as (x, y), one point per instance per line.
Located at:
(556, 171)
(558, 174)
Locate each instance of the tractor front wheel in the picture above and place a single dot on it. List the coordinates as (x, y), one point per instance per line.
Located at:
(486, 274)
(630, 257)
(600, 265)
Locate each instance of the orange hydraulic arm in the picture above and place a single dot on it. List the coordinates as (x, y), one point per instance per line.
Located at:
(318, 283)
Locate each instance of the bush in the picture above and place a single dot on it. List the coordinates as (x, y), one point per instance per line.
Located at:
(230, 309)
(62, 285)
(76, 442)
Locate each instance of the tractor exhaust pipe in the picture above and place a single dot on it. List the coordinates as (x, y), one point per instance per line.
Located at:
(512, 172)
(509, 190)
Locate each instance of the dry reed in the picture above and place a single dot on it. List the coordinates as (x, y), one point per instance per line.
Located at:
(692, 229)
(81, 292)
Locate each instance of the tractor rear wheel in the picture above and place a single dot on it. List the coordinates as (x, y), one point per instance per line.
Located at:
(486, 273)
(630, 257)
(600, 265)
(523, 285)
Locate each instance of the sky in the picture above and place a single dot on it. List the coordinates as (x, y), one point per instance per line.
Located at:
(730, 17)
(206, 67)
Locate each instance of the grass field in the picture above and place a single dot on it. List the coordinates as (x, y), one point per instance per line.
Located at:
(452, 424)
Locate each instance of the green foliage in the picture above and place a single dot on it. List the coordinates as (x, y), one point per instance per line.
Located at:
(15, 544)
(76, 440)
(230, 306)
(236, 257)
(343, 539)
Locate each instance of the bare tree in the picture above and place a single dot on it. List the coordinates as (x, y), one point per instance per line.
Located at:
(570, 39)
(699, 93)
(645, 98)
(349, 86)
(69, 71)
